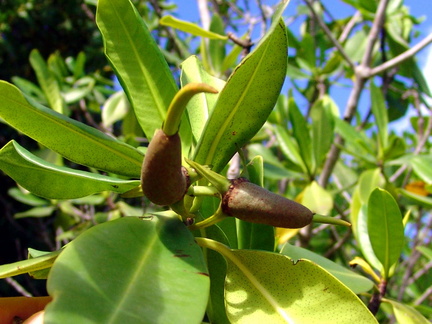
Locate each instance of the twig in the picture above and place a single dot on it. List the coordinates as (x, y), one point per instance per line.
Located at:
(422, 298)
(362, 74)
(16, 285)
(401, 57)
(349, 27)
(375, 301)
(330, 35)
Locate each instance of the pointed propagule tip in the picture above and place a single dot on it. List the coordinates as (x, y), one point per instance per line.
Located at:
(317, 218)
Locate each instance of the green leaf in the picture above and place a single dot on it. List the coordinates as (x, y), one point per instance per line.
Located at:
(285, 291)
(75, 141)
(246, 100)
(406, 314)
(189, 27)
(357, 283)
(322, 128)
(34, 264)
(55, 182)
(427, 252)
(139, 64)
(36, 212)
(216, 47)
(130, 271)
(251, 235)
(289, 147)
(380, 113)
(302, 136)
(385, 228)
(201, 105)
(317, 199)
(26, 197)
(47, 82)
(421, 166)
(115, 108)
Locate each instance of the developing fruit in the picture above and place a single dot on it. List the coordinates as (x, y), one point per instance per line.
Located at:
(255, 204)
(163, 179)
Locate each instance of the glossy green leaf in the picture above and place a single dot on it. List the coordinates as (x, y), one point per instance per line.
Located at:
(139, 64)
(302, 136)
(380, 113)
(47, 82)
(322, 128)
(246, 100)
(75, 141)
(427, 252)
(252, 235)
(130, 270)
(115, 108)
(55, 182)
(189, 27)
(421, 166)
(273, 168)
(416, 199)
(367, 182)
(38, 263)
(289, 147)
(406, 314)
(36, 212)
(201, 105)
(357, 283)
(42, 273)
(217, 270)
(385, 228)
(287, 292)
(26, 197)
(317, 199)
(216, 47)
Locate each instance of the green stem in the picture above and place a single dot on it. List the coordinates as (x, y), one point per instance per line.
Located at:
(329, 220)
(216, 218)
(218, 181)
(178, 105)
(203, 191)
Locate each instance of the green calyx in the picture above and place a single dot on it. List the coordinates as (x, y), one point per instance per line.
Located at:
(218, 181)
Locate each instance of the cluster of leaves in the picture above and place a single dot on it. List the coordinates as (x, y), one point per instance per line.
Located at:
(344, 166)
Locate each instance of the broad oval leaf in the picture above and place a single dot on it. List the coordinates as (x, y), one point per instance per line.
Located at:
(357, 283)
(75, 141)
(139, 64)
(246, 100)
(385, 228)
(264, 287)
(51, 181)
(130, 271)
(406, 314)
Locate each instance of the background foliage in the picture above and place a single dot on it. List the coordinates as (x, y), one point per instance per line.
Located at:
(54, 54)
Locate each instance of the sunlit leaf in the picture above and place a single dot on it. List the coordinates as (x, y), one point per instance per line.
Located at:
(128, 266)
(352, 280)
(55, 182)
(385, 228)
(246, 100)
(73, 140)
(189, 27)
(406, 314)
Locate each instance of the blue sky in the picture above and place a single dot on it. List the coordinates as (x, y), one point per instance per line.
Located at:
(187, 9)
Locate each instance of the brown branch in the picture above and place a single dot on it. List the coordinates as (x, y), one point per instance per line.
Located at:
(375, 301)
(401, 57)
(362, 75)
(330, 35)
